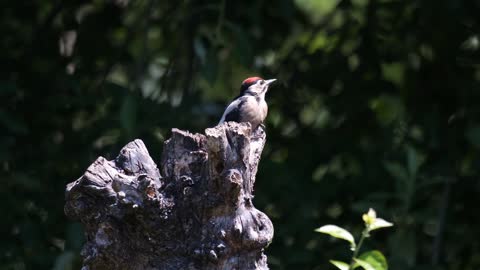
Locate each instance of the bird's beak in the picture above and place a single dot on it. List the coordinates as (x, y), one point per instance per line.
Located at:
(268, 82)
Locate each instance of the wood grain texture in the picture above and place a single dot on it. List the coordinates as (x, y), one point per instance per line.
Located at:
(193, 212)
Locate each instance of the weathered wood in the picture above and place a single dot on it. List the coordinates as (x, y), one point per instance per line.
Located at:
(195, 213)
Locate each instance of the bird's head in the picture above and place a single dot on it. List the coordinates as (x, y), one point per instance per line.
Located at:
(255, 86)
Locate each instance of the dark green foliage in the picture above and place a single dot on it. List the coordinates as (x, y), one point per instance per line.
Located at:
(378, 106)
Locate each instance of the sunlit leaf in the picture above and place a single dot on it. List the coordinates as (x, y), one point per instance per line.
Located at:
(337, 232)
(380, 223)
(372, 222)
(365, 265)
(315, 9)
(340, 265)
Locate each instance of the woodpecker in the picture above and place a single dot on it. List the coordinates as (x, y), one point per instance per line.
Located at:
(250, 105)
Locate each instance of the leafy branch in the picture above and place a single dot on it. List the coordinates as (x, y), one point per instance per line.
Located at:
(370, 260)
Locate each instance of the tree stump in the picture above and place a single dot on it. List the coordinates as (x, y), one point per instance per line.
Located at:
(195, 212)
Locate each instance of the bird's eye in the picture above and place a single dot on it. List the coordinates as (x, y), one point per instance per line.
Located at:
(262, 81)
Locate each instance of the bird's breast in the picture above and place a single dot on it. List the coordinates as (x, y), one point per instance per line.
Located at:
(254, 111)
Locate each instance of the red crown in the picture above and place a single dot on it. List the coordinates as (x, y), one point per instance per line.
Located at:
(251, 80)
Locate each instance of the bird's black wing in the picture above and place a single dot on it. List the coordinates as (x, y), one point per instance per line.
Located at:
(233, 115)
(233, 111)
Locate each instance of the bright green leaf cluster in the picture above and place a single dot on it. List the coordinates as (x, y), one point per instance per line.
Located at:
(374, 223)
(370, 260)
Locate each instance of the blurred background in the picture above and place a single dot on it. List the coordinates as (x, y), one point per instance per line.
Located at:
(377, 105)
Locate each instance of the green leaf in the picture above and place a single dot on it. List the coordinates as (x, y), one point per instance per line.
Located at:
(374, 259)
(379, 223)
(394, 72)
(365, 265)
(388, 109)
(340, 265)
(337, 232)
(316, 10)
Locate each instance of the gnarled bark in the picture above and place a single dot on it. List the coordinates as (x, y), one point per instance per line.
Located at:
(196, 212)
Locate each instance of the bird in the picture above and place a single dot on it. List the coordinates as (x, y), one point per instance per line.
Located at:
(250, 106)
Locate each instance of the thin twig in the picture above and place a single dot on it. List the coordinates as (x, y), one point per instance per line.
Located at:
(358, 247)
